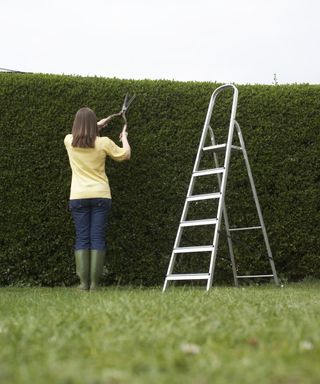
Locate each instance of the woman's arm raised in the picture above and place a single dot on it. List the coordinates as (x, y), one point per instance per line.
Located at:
(104, 122)
(124, 139)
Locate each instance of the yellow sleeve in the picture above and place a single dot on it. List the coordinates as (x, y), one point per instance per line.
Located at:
(67, 140)
(113, 150)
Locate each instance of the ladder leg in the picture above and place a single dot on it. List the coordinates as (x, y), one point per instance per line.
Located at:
(179, 234)
(170, 269)
(233, 264)
(215, 250)
(165, 285)
(225, 215)
(212, 263)
(173, 255)
(256, 200)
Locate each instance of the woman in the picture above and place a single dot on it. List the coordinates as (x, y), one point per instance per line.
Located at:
(90, 196)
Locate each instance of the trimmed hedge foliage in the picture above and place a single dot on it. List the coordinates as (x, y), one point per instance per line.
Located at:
(280, 125)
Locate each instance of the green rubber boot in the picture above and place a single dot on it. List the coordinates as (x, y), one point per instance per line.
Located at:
(83, 267)
(96, 267)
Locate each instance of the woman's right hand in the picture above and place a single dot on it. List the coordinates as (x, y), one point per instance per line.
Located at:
(124, 133)
(125, 143)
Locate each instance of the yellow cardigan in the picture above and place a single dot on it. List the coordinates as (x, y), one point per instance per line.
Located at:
(89, 179)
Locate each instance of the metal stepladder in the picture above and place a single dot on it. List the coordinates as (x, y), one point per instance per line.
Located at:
(222, 175)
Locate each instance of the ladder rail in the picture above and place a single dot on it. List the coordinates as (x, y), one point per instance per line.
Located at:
(256, 200)
(223, 181)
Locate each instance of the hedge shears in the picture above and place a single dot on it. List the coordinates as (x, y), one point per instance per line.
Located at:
(126, 104)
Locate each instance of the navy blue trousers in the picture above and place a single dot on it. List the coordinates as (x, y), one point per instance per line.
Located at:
(90, 217)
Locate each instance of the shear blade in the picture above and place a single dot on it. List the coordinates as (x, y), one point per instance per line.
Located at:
(126, 102)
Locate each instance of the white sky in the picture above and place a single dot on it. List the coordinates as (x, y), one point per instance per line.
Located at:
(241, 41)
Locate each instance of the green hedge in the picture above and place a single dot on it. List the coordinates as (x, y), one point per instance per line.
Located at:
(281, 130)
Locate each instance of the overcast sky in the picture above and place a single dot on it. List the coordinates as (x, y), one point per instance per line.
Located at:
(241, 41)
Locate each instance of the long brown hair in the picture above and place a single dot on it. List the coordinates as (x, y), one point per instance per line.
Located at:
(85, 129)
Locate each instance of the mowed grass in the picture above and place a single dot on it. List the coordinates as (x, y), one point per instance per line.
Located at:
(258, 334)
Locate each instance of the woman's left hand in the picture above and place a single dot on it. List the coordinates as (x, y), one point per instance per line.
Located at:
(104, 122)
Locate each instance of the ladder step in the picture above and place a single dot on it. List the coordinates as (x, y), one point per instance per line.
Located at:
(220, 148)
(253, 276)
(201, 248)
(193, 223)
(206, 172)
(244, 228)
(205, 196)
(189, 276)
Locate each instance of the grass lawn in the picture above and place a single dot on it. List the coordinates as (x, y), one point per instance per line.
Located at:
(258, 334)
